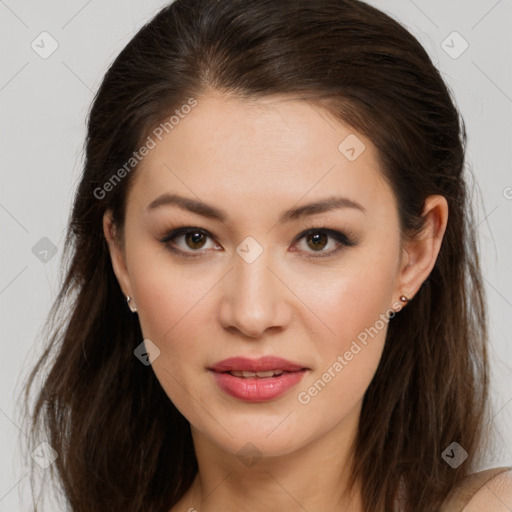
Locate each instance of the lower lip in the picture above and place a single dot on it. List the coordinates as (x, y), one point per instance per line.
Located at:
(256, 389)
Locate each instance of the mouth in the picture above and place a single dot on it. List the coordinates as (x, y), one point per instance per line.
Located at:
(261, 386)
(245, 374)
(257, 380)
(245, 367)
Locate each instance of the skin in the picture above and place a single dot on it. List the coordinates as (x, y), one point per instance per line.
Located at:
(495, 495)
(254, 160)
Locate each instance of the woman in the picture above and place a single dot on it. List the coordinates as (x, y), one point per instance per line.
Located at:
(274, 291)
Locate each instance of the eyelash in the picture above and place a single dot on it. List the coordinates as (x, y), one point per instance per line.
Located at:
(345, 239)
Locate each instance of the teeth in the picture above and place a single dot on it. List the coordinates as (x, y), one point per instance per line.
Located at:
(243, 373)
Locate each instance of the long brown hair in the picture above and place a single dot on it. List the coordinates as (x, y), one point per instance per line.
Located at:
(122, 444)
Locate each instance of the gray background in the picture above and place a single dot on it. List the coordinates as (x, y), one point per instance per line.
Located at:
(44, 102)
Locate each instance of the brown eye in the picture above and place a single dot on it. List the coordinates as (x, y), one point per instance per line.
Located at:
(186, 240)
(195, 239)
(318, 241)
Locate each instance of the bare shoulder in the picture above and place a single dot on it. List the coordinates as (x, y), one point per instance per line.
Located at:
(495, 495)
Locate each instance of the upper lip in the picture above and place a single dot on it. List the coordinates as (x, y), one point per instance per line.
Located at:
(256, 365)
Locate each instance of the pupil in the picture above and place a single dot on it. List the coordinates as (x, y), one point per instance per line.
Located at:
(317, 239)
(194, 237)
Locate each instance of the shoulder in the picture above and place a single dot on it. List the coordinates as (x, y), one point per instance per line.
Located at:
(494, 494)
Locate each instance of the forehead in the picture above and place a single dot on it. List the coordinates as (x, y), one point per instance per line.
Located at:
(268, 153)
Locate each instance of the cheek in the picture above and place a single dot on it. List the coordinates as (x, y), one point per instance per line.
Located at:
(355, 311)
(348, 359)
(169, 295)
(169, 315)
(350, 301)
(168, 299)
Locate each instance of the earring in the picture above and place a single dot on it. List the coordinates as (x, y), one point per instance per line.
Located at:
(404, 299)
(133, 308)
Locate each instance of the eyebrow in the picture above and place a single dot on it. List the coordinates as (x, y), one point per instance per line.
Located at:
(195, 206)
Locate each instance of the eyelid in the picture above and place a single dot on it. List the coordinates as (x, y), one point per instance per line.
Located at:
(350, 239)
(345, 238)
(180, 230)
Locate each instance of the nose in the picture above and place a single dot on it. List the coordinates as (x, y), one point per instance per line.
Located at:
(255, 298)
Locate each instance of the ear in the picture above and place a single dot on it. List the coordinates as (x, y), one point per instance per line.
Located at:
(420, 255)
(116, 254)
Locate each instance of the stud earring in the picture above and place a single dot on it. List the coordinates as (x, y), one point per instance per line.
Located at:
(133, 308)
(404, 299)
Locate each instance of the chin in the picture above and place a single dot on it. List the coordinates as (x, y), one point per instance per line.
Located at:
(259, 438)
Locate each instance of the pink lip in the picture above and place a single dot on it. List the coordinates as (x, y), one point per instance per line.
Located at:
(257, 389)
(256, 365)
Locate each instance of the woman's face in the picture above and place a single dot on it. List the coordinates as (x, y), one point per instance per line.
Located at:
(250, 285)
